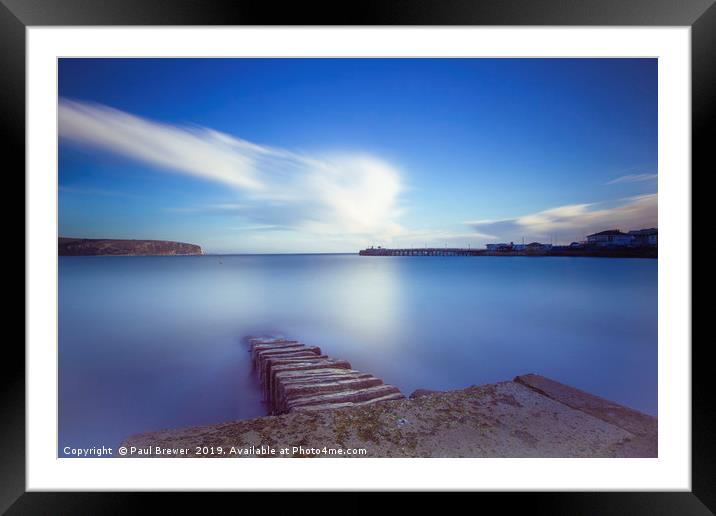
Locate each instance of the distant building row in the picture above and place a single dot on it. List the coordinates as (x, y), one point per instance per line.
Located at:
(616, 238)
(609, 238)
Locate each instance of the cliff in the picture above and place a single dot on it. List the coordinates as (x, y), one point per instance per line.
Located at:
(111, 247)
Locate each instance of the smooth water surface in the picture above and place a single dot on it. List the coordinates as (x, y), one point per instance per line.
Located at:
(155, 342)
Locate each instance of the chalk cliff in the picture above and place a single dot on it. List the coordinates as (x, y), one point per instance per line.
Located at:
(111, 247)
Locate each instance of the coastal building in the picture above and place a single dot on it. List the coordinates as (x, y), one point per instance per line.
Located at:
(500, 248)
(644, 237)
(609, 238)
(537, 248)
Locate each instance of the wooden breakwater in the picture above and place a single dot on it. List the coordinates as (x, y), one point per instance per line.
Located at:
(297, 377)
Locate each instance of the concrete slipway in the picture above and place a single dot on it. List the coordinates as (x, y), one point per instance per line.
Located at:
(530, 416)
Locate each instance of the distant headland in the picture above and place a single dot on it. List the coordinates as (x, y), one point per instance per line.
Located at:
(114, 247)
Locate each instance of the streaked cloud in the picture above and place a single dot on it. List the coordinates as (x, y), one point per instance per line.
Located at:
(336, 194)
(633, 178)
(573, 222)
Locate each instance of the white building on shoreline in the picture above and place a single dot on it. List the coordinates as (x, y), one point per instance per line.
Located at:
(617, 238)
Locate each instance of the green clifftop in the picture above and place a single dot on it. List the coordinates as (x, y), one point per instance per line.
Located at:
(111, 247)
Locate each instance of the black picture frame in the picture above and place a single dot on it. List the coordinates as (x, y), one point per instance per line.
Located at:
(700, 15)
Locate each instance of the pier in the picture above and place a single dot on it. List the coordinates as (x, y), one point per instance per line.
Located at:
(298, 377)
(426, 251)
(564, 251)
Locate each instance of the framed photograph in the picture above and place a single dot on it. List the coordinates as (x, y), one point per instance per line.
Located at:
(451, 241)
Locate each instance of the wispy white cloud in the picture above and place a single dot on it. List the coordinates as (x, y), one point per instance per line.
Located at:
(632, 178)
(197, 151)
(320, 195)
(573, 222)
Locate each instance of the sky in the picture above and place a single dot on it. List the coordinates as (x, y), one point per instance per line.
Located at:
(334, 155)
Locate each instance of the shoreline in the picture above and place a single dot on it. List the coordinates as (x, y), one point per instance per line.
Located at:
(529, 416)
(647, 253)
(482, 254)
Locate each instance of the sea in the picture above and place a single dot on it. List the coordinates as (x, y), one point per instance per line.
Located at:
(149, 343)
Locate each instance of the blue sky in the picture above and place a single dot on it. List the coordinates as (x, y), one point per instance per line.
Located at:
(332, 155)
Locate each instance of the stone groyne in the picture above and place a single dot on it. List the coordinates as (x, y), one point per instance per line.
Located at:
(295, 377)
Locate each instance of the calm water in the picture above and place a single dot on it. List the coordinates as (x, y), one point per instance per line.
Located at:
(155, 342)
